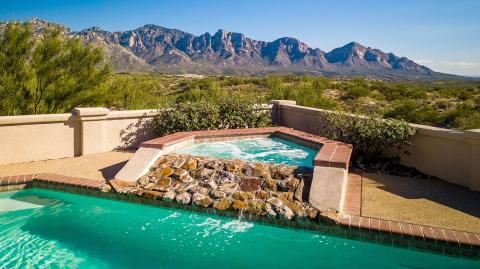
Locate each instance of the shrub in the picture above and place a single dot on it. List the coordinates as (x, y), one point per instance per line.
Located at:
(204, 115)
(368, 135)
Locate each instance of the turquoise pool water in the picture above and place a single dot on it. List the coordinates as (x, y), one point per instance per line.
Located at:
(273, 150)
(46, 229)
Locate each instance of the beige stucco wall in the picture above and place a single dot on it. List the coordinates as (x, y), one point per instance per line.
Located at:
(41, 137)
(451, 155)
(38, 137)
(448, 154)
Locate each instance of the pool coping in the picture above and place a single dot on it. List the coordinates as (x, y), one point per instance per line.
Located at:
(401, 234)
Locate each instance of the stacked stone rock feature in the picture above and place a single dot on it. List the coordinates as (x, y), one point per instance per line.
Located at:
(249, 188)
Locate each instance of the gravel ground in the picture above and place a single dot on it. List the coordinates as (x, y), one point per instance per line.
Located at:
(421, 201)
(94, 166)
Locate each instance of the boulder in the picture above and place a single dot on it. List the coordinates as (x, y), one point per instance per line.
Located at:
(214, 164)
(234, 166)
(106, 188)
(200, 189)
(256, 207)
(269, 211)
(210, 184)
(283, 195)
(295, 207)
(169, 196)
(239, 205)
(183, 187)
(165, 160)
(284, 212)
(217, 194)
(298, 194)
(264, 195)
(281, 171)
(190, 164)
(163, 184)
(251, 184)
(149, 186)
(223, 177)
(201, 200)
(164, 172)
(247, 170)
(312, 213)
(121, 186)
(204, 174)
(180, 173)
(183, 198)
(270, 184)
(275, 201)
(176, 185)
(260, 170)
(289, 184)
(243, 196)
(222, 204)
(229, 187)
(153, 195)
(179, 162)
(143, 181)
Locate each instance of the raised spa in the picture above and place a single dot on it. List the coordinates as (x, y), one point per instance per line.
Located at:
(272, 150)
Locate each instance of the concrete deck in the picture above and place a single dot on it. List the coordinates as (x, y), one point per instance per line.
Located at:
(101, 166)
(421, 201)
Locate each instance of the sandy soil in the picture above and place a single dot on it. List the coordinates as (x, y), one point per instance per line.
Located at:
(95, 166)
(421, 201)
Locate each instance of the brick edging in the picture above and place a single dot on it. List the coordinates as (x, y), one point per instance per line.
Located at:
(52, 178)
(353, 201)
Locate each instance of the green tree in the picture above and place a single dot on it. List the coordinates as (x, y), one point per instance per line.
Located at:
(48, 73)
(15, 72)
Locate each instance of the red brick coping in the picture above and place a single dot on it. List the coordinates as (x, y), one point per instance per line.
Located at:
(352, 206)
(331, 153)
(51, 178)
(376, 229)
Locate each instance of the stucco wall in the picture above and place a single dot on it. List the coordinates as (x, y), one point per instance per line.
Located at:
(451, 155)
(41, 137)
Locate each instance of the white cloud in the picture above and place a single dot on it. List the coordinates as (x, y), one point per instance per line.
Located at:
(453, 67)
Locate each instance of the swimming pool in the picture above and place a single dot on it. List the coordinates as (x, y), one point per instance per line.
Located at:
(273, 150)
(41, 228)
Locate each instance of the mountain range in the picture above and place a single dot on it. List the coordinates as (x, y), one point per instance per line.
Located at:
(153, 48)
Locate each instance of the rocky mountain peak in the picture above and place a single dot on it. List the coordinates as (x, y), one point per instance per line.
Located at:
(152, 47)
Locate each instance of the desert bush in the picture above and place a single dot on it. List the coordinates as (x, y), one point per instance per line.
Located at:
(208, 115)
(368, 135)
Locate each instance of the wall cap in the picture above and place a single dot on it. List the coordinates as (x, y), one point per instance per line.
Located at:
(38, 118)
(126, 114)
(283, 102)
(91, 111)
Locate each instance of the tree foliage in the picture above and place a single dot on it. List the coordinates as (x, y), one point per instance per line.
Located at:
(48, 72)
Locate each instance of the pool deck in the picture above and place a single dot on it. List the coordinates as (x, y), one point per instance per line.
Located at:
(100, 166)
(428, 202)
(374, 209)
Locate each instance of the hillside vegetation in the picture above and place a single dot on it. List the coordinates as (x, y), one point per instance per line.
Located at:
(451, 104)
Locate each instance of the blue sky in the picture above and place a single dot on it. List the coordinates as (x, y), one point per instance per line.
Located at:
(442, 34)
